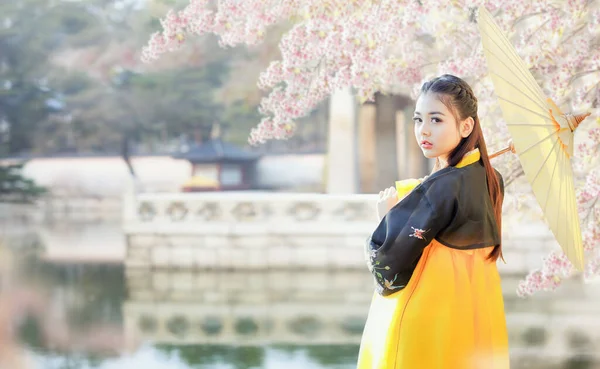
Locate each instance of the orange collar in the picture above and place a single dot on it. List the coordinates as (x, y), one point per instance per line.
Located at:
(471, 157)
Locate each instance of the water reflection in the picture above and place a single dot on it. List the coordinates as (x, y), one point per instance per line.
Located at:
(209, 356)
(101, 315)
(97, 315)
(246, 307)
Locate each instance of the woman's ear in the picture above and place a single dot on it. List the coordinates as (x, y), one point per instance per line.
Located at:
(466, 127)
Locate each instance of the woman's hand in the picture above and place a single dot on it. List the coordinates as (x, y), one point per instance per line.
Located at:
(387, 199)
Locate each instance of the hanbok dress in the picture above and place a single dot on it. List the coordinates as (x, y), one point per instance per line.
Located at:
(438, 300)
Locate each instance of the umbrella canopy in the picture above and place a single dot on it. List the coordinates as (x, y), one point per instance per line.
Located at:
(542, 136)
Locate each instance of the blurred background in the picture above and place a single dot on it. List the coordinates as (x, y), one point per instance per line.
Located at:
(139, 229)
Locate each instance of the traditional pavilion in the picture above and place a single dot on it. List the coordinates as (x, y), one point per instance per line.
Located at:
(218, 165)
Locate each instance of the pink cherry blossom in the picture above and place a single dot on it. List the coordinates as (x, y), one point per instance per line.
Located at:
(394, 45)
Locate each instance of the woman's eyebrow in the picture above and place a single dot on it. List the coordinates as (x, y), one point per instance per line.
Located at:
(431, 113)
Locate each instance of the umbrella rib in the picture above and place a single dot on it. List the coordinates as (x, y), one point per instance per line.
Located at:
(545, 161)
(530, 125)
(570, 213)
(536, 102)
(578, 223)
(558, 216)
(567, 215)
(537, 143)
(526, 84)
(511, 54)
(524, 108)
(575, 226)
(565, 211)
(551, 180)
(515, 57)
(574, 229)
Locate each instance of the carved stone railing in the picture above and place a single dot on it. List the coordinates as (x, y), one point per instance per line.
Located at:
(253, 213)
(248, 230)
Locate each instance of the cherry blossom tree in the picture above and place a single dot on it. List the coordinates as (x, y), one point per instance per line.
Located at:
(390, 46)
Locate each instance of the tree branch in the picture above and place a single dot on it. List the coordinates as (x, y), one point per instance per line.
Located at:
(516, 173)
(581, 74)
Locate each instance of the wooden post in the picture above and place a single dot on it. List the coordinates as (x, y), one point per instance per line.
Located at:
(401, 140)
(366, 147)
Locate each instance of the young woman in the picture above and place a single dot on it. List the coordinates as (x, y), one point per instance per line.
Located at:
(438, 302)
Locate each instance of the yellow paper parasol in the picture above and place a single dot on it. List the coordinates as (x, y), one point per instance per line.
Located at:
(542, 136)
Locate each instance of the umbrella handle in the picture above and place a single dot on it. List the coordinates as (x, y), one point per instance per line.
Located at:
(510, 148)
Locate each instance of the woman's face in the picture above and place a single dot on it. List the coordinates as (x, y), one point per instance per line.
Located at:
(436, 130)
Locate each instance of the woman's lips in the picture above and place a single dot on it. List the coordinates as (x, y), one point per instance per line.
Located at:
(426, 145)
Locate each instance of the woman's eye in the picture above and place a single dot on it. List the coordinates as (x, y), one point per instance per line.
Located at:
(436, 120)
(416, 120)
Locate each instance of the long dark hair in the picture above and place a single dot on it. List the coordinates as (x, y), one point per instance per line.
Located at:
(458, 97)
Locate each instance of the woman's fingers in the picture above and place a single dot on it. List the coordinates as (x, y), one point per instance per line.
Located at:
(388, 193)
(391, 192)
(387, 199)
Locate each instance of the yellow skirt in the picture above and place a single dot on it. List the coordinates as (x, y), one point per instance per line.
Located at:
(449, 316)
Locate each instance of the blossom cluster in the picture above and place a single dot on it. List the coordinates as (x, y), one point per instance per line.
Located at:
(394, 45)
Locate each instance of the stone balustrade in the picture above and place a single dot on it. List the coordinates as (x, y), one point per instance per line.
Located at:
(248, 230)
(252, 213)
(279, 230)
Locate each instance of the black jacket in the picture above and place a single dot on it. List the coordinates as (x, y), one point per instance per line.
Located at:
(452, 205)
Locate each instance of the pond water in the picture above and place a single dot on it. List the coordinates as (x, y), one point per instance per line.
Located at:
(95, 313)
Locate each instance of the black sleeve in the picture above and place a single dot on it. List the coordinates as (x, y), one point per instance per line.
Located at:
(396, 245)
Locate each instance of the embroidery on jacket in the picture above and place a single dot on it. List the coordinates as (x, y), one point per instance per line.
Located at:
(386, 284)
(418, 233)
(374, 267)
(389, 284)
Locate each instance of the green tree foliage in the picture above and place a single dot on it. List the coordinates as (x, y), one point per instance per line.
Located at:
(71, 81)
(16, 188)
